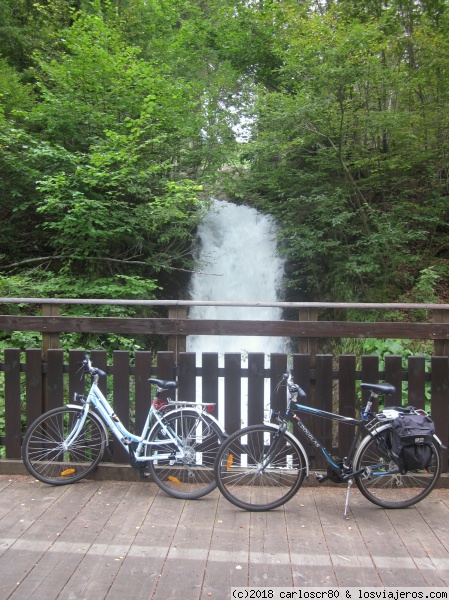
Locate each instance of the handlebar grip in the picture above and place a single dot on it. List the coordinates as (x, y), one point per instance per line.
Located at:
(292, 388)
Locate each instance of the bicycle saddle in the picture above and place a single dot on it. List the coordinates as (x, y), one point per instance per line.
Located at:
(380, 388)
(165, 384)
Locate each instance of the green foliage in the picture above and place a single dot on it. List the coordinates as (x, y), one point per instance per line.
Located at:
(100, 179)
(403, 348)
(387, 347)
(347, 150)
(115, 117)
(15, 97)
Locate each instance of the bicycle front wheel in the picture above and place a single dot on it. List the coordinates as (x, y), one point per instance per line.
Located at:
(181, 457)
(383, 484)
(50, 454)
(257, 470)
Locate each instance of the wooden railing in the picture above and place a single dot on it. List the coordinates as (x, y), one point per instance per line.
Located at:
(307, 329)
(38, 379)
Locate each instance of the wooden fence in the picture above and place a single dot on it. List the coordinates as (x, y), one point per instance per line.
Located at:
(38, 379)
(33, 385)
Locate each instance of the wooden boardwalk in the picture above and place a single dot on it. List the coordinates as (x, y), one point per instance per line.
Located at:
(117, 539)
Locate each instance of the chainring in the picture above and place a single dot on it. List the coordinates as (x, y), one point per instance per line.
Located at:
(333, 475)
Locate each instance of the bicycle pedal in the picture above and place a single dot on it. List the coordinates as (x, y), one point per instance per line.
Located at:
(171, 460)
(321, 478)
(108, 454)
(126, 441)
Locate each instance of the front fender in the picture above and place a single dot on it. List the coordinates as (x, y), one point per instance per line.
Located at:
(95, 417)
(293, 440)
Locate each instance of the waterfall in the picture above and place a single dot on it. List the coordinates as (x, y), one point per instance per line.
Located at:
(237, 248)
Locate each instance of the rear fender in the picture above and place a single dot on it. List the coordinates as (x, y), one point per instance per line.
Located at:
(190, 411)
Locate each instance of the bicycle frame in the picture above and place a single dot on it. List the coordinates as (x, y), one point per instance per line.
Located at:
(96, 399)
(359, 424)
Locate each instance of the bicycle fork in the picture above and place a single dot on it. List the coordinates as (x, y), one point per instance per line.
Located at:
(75, 430)
(274, 447)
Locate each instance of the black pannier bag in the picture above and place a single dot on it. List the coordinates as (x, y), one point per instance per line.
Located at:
(411, 441)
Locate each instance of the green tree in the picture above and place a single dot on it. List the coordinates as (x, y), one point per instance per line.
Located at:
(347, 148)
(103, 174)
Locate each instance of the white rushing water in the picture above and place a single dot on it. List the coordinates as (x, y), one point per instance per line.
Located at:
(237, 247)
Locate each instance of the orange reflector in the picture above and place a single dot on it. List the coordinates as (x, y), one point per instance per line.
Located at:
(67, 472)
(174, 480)
(229, 462)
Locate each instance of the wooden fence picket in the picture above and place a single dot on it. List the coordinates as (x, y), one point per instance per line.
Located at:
(332, 384)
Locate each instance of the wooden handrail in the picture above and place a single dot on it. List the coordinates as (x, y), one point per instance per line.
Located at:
(168, 303)
(150, 326)
(307, 329)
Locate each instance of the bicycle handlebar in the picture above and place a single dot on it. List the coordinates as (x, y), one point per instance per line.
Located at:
(88, 368)
(293, 387)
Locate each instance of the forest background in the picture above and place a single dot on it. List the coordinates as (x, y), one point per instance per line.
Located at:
(120, 120)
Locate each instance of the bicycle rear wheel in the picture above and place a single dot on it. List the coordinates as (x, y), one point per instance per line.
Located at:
(186, 473)
(245, 477)
(49, 458)
(384, 484)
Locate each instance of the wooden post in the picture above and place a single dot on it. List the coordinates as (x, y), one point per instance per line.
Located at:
(440, 347)
(177, 343)
(308, 345)
(50, 340)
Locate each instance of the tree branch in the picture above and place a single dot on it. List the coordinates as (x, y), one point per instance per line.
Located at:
(104, 259)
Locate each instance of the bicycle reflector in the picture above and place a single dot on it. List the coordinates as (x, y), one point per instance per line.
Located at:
(174, 480)
(229, 462)
(67, 472)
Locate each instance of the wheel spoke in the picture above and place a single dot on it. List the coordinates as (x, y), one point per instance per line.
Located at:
(185, 471)
(47, 455)
(386, 486)
(247, 481)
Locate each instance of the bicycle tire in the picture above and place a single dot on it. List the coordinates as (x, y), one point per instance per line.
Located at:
(238, 468)
(45, 455)
(386, 486)
(192, 476)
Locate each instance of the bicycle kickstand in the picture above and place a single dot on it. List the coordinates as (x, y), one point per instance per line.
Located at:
(348, 489)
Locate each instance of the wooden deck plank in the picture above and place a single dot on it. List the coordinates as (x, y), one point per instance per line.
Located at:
(101, 563)
(92, 533)
(140, 570)
(228, 559)
(186, 561)
(341, 540)
(10, 509)
(351, 563)
(269, 550)
(110, 540)
(61, 560)
(49, 510)
(308, 547)
(434, 540)
(391, 556)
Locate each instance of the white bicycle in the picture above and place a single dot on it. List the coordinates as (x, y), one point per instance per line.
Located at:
(178, 443)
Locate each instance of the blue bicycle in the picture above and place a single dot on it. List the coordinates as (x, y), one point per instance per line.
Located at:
(262, 466)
